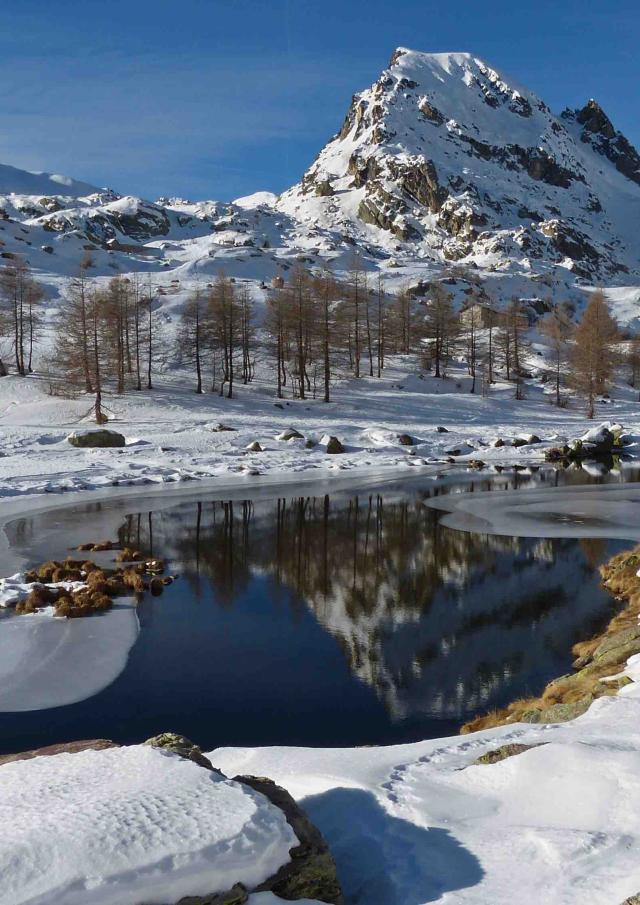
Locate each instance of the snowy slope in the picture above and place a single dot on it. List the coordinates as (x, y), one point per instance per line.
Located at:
(23, 182)
(420, 823)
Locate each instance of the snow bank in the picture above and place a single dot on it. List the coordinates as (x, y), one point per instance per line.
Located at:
(14, 588)
(130, 825)
(558, 823)
(255, 200)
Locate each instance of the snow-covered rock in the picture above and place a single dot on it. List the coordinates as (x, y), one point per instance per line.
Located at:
(125, 825)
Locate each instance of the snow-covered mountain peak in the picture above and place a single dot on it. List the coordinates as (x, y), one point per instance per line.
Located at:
(446, 158)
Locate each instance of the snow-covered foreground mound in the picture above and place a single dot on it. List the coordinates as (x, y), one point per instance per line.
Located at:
(51, 662)
(557, 824)
(130, 825)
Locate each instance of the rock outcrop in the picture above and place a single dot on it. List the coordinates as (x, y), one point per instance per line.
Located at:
(311, 873)
(334, 446)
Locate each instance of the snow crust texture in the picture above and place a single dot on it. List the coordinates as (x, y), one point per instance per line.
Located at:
(130, 825)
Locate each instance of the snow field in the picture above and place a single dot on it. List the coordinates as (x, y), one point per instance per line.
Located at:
(559, 823)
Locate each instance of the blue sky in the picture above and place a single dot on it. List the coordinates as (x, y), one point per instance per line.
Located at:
(205, 98)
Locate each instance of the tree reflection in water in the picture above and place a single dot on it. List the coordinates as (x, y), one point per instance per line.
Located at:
(440, 623)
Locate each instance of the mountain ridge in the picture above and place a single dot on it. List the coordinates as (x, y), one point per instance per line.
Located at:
(443, 162)
(399, 144)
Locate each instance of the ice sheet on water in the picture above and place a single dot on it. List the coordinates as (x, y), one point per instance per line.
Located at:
(610, 510)
(47, 661)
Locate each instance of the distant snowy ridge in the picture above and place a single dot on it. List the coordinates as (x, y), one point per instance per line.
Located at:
(443, 163)
(23, 182)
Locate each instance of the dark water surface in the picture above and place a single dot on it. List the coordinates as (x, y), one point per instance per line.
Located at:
(344, 619)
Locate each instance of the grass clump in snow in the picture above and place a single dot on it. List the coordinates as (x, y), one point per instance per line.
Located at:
(82, 588)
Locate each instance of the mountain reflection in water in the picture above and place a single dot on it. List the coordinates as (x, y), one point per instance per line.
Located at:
(439, 623)
(355, 618)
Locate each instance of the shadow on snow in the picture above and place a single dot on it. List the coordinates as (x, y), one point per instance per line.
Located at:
(383, 860)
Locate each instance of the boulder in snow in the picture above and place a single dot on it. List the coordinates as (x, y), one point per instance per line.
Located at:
(290, 433)
(96, 439)
(334, 446)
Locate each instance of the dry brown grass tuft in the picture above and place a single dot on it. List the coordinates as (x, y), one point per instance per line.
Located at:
(101, 546)
(88, 566)
(83, 603)
(584, 649)
(133, 579)
(102, 585)
(128, 554)
(46, 570)
(595, 661)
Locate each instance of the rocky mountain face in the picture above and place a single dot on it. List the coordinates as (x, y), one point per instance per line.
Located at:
(445, 159)
(441, 163)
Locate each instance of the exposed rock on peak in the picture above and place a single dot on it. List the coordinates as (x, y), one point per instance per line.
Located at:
(600, 133)
(594, 119)
(448, 157)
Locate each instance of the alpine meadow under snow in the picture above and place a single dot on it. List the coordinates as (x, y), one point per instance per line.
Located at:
(455, 280)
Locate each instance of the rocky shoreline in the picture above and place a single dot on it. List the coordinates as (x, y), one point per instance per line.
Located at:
(599, 661)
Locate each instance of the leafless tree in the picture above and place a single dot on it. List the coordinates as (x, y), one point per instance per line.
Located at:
(192, 332)
(357, 309)
(441, 327)
(20, 295)
(557, 328)
(325, 295)
(592, 354)
(226, 328)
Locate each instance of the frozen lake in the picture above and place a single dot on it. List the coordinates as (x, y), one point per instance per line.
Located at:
(341, 618)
